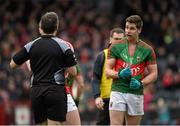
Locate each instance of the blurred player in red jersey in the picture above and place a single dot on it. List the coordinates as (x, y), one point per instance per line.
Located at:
(72, 117)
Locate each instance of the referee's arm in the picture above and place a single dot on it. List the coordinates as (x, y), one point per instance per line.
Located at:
(71, 62)
(97, 74)
(19, 58)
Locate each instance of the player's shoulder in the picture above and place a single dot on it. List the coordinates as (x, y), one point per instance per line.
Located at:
(145, 45)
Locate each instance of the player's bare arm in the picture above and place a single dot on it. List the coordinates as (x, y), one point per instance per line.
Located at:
(109, 68)
(152, 74)
(80, 82)
(72, 70)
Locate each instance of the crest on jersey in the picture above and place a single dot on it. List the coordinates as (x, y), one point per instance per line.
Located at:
(138, 58)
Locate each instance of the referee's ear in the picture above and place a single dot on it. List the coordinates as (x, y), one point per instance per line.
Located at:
(40, 29)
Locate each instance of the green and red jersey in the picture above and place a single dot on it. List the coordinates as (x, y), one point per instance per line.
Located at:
(143, 56)
(70, 80)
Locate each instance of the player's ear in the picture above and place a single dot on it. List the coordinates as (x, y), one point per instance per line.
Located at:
(139, 30)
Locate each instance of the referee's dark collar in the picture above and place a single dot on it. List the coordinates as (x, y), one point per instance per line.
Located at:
(47, 36)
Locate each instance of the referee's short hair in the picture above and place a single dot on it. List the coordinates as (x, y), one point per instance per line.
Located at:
(49, 22)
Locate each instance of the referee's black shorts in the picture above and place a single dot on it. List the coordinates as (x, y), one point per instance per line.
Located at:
(103, 115)
(49, 102)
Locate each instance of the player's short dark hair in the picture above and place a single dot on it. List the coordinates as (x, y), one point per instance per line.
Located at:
(49, 22)
(136, 19)
(116, 30)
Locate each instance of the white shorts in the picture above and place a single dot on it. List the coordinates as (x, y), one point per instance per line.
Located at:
(133, 104)
(71, 106)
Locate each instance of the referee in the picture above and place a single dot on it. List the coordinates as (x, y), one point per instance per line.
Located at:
(101, 85)
(49, 57)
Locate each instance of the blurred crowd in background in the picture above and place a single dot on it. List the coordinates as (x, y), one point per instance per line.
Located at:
(87, 24)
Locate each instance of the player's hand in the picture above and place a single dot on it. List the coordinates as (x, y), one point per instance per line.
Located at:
(135, 84)
(125, 73)
(99, 103)
(69, 80)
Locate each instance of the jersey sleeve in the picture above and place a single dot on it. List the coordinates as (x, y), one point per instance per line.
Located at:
(70, 45)
(151, 58)
(112, 52)
(70, 55)
(22, 56)
(78, 69)
(70, 58)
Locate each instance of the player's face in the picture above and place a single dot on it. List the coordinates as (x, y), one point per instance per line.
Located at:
(131, 31)
(117, 37)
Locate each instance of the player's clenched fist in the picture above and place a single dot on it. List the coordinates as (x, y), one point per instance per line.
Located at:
(125, 73)
(135, 84)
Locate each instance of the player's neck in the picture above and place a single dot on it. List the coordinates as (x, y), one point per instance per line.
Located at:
(133, 41)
